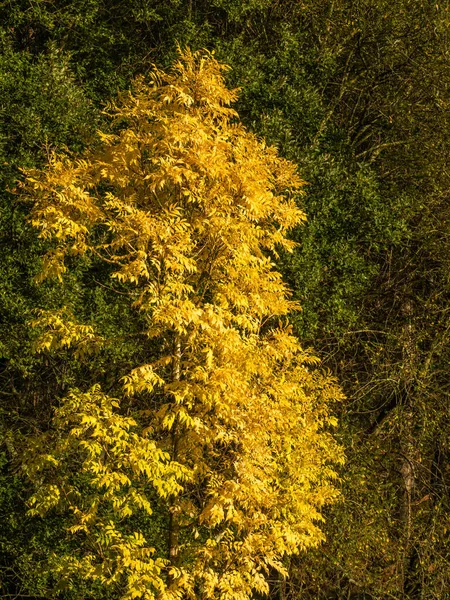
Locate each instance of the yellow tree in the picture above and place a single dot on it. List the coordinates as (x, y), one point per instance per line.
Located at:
(231, 442)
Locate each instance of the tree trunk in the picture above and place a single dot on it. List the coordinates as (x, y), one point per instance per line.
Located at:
(174, 528)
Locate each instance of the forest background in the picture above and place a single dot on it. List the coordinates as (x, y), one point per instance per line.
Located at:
(357, 95)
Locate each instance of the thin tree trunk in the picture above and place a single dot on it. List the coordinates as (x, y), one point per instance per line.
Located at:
(174, 528)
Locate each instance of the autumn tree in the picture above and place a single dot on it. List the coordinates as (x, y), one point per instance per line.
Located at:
(221, 431)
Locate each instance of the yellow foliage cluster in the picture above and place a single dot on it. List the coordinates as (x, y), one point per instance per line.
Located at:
(187, 206)
(58, 329)
(118, 463)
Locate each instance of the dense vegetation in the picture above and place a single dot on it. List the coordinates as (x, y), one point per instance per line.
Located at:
(357, 95)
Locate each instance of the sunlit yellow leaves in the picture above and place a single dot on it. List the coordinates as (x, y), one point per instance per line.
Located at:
(141, 379)
(46, 498)
(104, 456)
(188, 210)
(59, 330)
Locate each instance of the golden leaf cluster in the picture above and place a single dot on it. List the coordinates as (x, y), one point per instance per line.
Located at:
(189, 209)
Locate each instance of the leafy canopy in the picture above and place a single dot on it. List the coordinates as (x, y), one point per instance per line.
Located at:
(229, 438)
